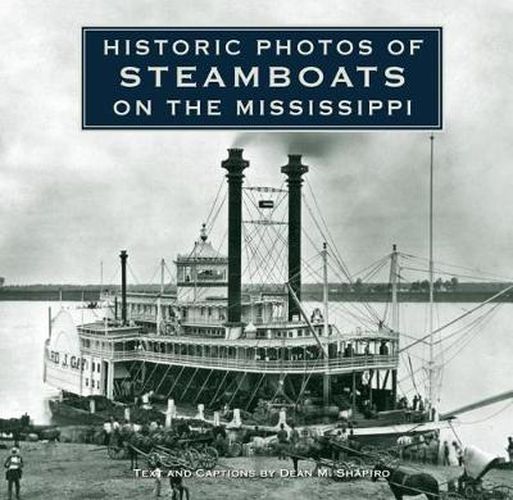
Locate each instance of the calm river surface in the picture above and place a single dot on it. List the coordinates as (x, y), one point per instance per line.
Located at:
(477, 365)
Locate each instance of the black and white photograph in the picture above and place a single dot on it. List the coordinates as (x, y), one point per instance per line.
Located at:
(256, 250)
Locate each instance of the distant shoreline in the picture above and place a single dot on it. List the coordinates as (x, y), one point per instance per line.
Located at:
(465, 292)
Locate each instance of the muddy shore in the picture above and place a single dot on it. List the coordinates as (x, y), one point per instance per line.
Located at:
(74, 471)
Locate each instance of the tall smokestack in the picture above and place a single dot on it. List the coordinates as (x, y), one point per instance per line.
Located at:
(235, 165)
(294, 171)
(123, 256)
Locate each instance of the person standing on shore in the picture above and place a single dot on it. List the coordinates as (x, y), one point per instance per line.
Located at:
(509, 449)
(14, 466)
(459, 453)
(446, 453)
(282, 442)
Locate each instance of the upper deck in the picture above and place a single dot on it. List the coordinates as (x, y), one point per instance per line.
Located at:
(337, 353)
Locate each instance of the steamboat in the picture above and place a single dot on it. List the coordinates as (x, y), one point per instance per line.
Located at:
(251, 350)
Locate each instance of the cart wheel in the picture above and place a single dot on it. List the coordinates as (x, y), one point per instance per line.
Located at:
(473, 493)
(209, 457)
(235, 449)
(192, 458)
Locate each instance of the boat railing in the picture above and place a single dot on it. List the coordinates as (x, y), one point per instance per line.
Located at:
(335, 365)
(107, 329)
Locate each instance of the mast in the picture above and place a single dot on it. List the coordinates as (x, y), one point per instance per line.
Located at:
(326, 385)
(123, 256)
(431, 368)
(394, 274)
(159, 300)
(394, 280)
(325, 290)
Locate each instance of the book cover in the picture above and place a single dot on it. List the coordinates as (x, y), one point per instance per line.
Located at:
(255, 250)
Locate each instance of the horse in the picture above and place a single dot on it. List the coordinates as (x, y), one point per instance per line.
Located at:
(404, 483)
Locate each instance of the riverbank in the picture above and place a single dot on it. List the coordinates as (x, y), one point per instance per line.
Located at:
(372, 292)
(80, 472)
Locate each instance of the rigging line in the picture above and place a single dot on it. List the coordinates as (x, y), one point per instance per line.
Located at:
(218, 388)
(132, 274)
(467, 313)
(278, 389)
(113, 277)
(202, 387)
(489, 417)
(258, 210)
(357, 310)
(189, 383)
(327, 228)
(475, 326)
(370, 310)
(270, 217)
(282, 239)
(479, 271)
(255, 391)
(176, 381)
(237, 389)
(171, 274)
(357, 316)
(447, 273)
(276, 257)
(367, 278)
(361, 271)
(212, 206)
(127, 376)
(263, 260)
(278, 261)
(138, 372)
(154, 274)
(465, 327)
(371, 313)
(255, 263)
(151, 375)
(214, 219)
(247, 250)
(252, 197)
(412, 374)
(328, 238)
(303, 388)
(163, 379)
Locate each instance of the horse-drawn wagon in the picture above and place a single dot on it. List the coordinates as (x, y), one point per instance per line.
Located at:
(193, 452)
(471, 485)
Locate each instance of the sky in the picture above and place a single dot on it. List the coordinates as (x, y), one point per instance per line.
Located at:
(73, 198)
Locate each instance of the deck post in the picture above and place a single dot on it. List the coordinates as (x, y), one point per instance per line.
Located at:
(326, 388)
(353, 402)
(371, 375)
(110, 380)
(394, 386)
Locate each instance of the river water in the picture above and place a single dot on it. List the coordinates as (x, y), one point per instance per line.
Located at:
(478, 365)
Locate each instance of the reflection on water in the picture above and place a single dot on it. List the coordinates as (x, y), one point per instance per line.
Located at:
(477, 366)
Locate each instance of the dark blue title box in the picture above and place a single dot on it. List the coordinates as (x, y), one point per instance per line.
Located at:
(262, 78)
